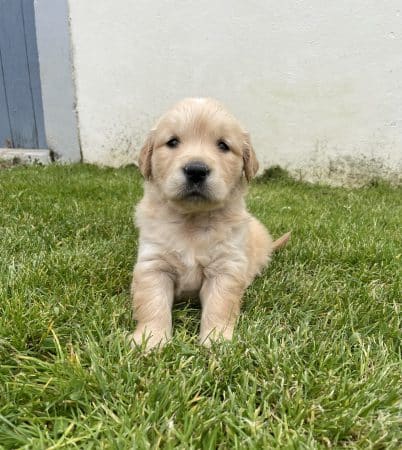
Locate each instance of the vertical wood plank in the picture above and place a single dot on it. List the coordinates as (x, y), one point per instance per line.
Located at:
(16, 75)
(5, 130)
(33, 67)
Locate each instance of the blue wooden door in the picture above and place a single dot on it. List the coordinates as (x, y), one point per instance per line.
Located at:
(21, 113)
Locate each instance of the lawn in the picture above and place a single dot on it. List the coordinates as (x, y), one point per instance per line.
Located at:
(316, 358)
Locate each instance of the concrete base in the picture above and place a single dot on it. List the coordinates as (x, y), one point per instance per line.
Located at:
(12, 156)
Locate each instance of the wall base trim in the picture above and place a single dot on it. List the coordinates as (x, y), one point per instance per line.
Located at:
(16, 156)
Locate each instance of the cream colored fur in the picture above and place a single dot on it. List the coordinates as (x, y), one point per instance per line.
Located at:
(210, 248)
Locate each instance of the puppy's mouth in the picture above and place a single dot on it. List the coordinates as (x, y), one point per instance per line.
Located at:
(194, 194)
(192, 197)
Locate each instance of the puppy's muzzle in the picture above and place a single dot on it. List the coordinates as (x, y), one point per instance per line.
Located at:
(196, 173)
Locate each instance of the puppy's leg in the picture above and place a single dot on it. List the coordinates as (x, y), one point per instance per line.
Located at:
(259, 248)
(220, 298)
(152, 303)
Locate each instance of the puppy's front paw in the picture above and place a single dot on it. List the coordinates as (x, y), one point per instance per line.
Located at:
(148, 339)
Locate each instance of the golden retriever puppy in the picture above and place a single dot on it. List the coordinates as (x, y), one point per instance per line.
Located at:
(196, 236)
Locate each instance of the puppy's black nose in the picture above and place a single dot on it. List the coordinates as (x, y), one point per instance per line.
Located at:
(196, 171)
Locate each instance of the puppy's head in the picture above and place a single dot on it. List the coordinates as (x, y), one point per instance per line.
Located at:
(197, 154)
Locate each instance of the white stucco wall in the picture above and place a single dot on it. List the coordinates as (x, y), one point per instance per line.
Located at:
(318, 84)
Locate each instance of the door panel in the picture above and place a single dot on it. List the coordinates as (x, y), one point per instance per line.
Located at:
(21, 82)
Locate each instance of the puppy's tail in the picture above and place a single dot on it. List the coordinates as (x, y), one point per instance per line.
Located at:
(281, 242)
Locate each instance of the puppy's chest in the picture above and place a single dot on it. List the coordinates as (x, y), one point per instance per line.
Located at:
(193, 252)
(189, 262)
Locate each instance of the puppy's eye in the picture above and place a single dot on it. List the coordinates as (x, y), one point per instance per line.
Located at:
(173, 143)
(223, 146)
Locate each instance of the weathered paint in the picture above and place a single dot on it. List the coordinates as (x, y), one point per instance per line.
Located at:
(318, 84)
(53, 36)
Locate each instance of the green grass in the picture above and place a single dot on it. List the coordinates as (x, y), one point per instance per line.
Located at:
(316, 359)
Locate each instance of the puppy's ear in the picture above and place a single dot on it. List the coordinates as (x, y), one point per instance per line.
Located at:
(144, 160)
(249, 159)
